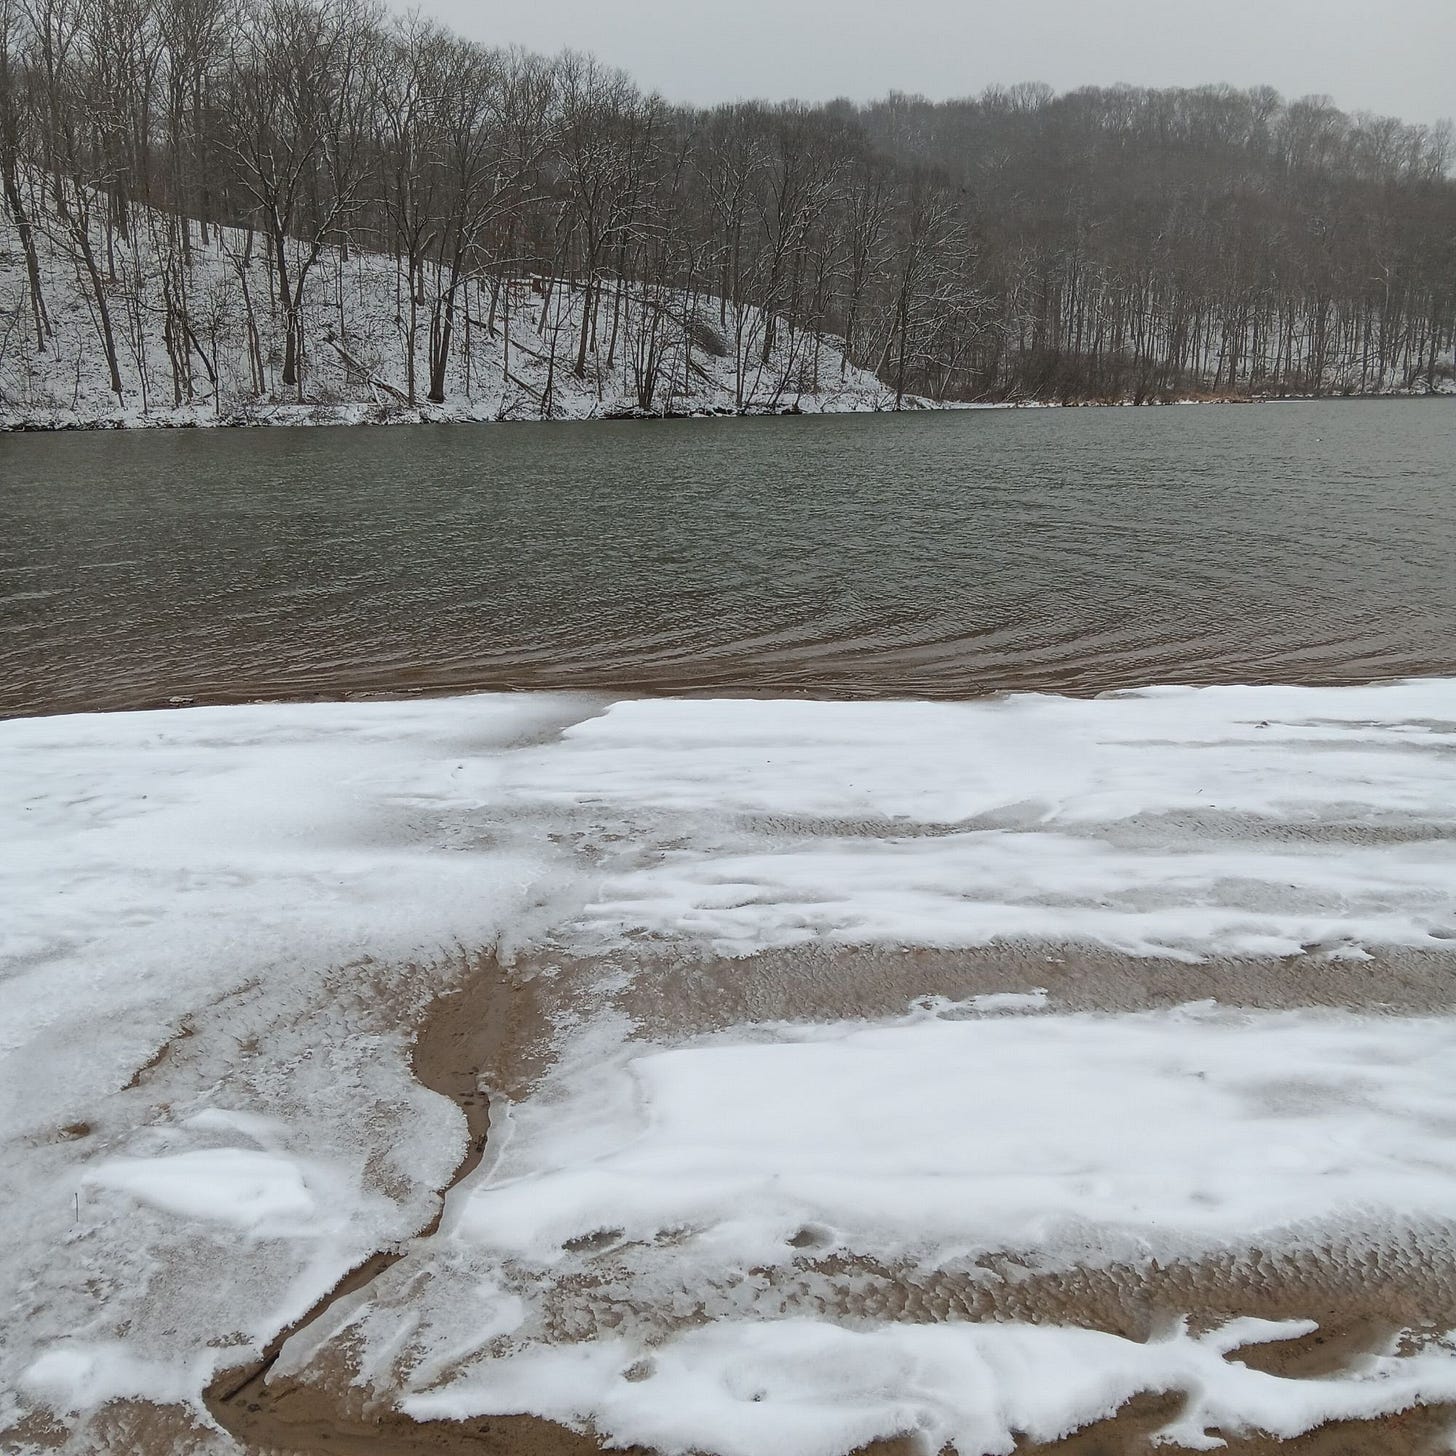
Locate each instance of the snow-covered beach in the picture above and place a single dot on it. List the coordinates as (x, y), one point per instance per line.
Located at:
(844, 889)
(855, 1070)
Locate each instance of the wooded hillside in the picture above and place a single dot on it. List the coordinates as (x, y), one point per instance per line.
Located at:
(1103, 244)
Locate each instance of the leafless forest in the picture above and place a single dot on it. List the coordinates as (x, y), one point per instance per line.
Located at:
(1103, 244)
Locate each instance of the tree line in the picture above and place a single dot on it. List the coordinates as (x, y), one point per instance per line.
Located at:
(1102, 244)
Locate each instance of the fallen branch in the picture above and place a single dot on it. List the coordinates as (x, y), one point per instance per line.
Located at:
(368, 375)
(521, 384)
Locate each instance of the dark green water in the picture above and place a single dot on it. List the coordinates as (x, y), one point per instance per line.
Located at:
(934, 554)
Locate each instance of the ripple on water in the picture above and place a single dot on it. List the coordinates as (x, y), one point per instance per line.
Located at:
(927, 555)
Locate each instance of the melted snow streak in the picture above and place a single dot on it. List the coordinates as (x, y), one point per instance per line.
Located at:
(693, 1237)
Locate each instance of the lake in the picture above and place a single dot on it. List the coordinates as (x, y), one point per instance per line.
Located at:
(935, 555)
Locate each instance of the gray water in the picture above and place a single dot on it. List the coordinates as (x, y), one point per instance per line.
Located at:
(943, 555)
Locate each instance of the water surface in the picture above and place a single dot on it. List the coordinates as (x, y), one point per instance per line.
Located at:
(941, 555)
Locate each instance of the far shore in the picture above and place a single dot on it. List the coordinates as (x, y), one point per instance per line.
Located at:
(275, 416)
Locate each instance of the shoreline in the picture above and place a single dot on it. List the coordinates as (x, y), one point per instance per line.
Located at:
(631, 689)
(322, 416)
(306, 416)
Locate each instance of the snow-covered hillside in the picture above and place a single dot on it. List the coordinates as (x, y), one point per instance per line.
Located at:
(513, 353)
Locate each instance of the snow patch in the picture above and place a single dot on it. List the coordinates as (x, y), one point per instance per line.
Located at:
(942, 1139)
(79, 1376)
(802, 1387)
(265, 1194)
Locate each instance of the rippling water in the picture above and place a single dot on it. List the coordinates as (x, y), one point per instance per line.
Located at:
(941, 555)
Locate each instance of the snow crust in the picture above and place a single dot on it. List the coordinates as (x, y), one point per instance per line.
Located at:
(206, 1113)
(206, 1110)
(807, 1388)
(1236, 821)
(250, 1189)
(1267, 752)
(155, 861)
(948, 1138)
(80, 1375)
(1063, 1141)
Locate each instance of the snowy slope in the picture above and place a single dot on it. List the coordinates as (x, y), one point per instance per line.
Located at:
(208, 1115)
(358, 339)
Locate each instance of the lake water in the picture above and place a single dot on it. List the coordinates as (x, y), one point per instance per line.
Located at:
(943, 555)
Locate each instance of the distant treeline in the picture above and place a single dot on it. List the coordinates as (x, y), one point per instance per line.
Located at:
(1108, 243)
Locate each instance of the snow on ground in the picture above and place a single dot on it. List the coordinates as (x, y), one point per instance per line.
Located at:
(198, 910)
(358, 341)
(1225, 820)
(808, 1388)
(990, 1133)
(204, 1053)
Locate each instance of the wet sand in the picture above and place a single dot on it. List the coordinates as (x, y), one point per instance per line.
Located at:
(492, 1030)
(726, 677)
(452, 1053)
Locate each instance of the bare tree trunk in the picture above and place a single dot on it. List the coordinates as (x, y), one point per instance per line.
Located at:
(32, 261)
(98, 288)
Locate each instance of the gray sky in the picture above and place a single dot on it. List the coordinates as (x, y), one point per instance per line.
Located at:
(1394, 56)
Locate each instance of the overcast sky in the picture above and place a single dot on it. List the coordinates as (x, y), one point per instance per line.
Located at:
(1394, 56)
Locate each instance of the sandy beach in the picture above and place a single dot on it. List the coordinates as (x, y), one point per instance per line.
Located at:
(685, 1109)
